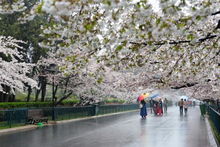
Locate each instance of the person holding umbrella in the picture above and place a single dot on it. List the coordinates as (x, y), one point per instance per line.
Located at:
(142, 103)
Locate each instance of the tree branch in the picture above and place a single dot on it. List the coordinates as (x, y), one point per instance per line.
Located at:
(209, 36)
(218, 25)
(63, 98)
(176, 64)
(184, 86)
(215, 13)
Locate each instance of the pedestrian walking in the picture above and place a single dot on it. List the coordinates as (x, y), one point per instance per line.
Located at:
(143, 109)
(151, 105)
(155, 106)
(165, 103)
(180, 103)
(160, 108)
(185, 106)
(142, 105)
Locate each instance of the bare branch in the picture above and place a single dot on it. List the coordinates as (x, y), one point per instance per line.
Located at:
(184, 86)
(63, 98)
(209, 36)
(215, 13)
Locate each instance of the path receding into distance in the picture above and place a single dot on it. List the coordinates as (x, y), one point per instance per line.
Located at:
(121, 130)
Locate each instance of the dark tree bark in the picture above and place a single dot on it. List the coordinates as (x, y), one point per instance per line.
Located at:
(37, 95)
(38, 90)
(6, 97)
(42, 84)
(29, 93)
(184, 85)
(43, 88)
(63, 98)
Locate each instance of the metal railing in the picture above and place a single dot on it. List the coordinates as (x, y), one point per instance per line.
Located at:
(11, 118)
(63, 113)
(115, 108)
(214, 115)
(16, 117)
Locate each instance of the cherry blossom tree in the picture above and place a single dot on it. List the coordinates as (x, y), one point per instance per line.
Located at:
(13, 73)
(176, 43)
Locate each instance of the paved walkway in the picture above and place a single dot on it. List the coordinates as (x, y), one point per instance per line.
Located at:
(123, 130)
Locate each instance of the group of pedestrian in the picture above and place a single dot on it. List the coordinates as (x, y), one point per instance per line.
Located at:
(159, 107)
(183, 105)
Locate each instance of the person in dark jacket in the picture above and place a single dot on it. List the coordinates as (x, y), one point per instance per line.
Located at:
(143, 109)
(180, 103)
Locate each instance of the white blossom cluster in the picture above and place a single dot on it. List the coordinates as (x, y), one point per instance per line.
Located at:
(9, 7)
(13, 72)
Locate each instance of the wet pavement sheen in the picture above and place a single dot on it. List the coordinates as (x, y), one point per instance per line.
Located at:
(122, 130)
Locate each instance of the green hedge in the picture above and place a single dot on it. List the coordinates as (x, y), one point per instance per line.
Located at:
(70, 102)
(114, 100)
(11, 105)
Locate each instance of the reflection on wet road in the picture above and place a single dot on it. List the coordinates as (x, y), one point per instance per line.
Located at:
(123, 130)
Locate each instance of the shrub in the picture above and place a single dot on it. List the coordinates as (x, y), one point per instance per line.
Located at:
(70, 102)
(11, 105)
(114, 100)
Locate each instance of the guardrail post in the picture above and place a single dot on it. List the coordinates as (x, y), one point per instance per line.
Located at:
(10, 119)
(95, 109)
(203, 109)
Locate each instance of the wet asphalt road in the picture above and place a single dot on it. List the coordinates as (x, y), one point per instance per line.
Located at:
(122, 130)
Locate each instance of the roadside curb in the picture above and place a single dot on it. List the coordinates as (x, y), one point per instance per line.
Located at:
(17, 129)
(91, 117)
(50, 123)
(211, 136)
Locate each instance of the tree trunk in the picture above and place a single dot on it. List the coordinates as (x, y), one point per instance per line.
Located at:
(43, 89)
(11, 98)
(29, 93)
(6, 95)
(1, 96)
(37, 95)
(63, 98)
(38, 90)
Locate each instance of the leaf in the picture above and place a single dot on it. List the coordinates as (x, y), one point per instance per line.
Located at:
(124, 42)
(181, 25)
(90, 26)
(149, 34)
(39, 7)
(176, 48)
(71, 58)
(107, 2)
(62, 68)
(158, 21)
(164, 25)
(118, 48)
(190, 37)
(198, 17)
(100, 80)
